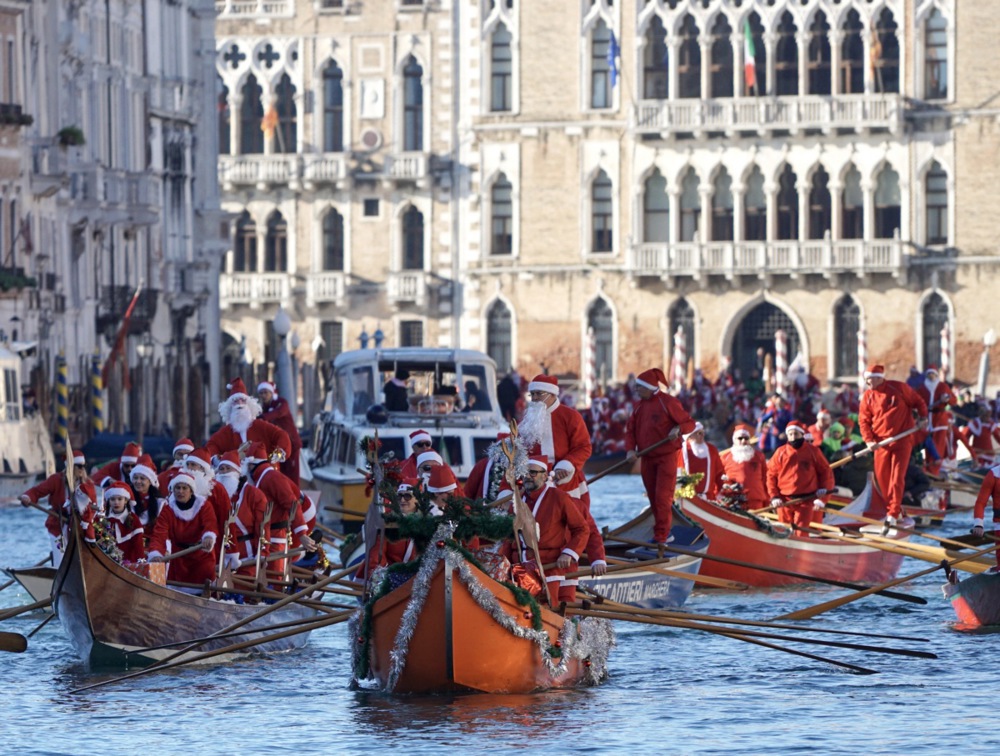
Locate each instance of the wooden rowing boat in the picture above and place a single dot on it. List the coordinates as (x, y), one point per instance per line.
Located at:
(110, 612)
(737, 536)
(598, 463)
(976, 600)
(651, 588)
(37, 581)
(452, 628)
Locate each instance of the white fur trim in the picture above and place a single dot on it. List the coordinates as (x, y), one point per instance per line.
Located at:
(421, 436)
(543, 386)
(443, 489)
(128, 460)
(429, 456)
(571, 583)
(187, 515)
(154, 553)
(978, 522)
(145, 472)
(212, 535)
(564, 464)
(874, 375)
(576, 557)
(645, 385)
(598, 563)
(553, 578)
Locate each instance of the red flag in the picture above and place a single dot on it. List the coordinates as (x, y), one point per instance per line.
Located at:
(118, 350)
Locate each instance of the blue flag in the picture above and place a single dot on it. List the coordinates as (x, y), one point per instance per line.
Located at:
(614, 52)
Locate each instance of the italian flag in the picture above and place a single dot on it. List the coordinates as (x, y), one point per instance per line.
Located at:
(749, 57)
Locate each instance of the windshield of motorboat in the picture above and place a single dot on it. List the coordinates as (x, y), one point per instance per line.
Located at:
(438, 388)
(357, 390)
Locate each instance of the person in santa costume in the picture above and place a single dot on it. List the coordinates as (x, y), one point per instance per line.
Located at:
(562, 529)
(655, 417)
(229, 473)
(182, 448)
(771, 425)
(817, 431)
(148, 500)
(129, 533)
(386, 552)
(699, 456)
(887, 409)
(442, 485)
(486, 478)
(118, 469)
(746, 465)
(427, 462)
(56, 488)
(276, 411)
(420, 442)
(937, 395)
(250, 530)
(198, 465)
(560, 434)
(185, 521)
(979, 435)
(989, 491)
(287, 500)
(243, 426)
(798, 470)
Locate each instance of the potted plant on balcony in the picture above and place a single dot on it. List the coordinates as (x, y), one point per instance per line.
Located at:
(70, 136)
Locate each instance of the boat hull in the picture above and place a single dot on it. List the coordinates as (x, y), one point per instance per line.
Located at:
(37, 581)
(457, 646)
(734, 536)
(976, 600)
(109, 613)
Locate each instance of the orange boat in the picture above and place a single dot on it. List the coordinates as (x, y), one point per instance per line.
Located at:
(452, 628)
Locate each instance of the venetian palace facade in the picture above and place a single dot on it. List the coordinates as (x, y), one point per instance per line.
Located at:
(508, 175)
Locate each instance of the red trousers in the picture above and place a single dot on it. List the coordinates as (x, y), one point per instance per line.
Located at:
(659, 476)
(799, 515)
(890, 476)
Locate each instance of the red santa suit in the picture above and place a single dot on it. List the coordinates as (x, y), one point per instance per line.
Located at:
(278, 413)
(567, 447)
(287, 500)
(56, 489)
(177, 529)
(214, 492)
(937, 395)
(260, 431)
(651, 421)
(751, 474)
(245, 530)
(886, 411)
(129, 534)
(978, 437)
(794, 473)
(562, 529)
(183, 446)
(112, 471)
(710, 466)
(989, 490)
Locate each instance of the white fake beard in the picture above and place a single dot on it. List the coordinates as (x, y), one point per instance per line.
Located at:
(230, 481)
(699, 450)
(240, 418)
(202, 482)
(742, 454)
(536, 428)
(252, 406)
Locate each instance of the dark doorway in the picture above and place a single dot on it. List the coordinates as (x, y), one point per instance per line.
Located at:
(757, 332)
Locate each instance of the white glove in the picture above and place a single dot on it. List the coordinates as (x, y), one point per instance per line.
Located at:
(777, 501)
(818, 505)
(232, 561)
(922, 423)
(821, 492)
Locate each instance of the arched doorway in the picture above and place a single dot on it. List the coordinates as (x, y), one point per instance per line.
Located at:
(756, 332)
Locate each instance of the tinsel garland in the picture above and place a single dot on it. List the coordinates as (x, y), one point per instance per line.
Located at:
(107, 541)
(687, 485)
(732, 496)
(589, 640)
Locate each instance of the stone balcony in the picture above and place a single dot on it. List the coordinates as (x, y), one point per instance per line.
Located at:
(765, 115)
(325, 287)
(311, 170)
(254, 289)
(823, 257)
(407, 286)
(260, 171)
(236, 9)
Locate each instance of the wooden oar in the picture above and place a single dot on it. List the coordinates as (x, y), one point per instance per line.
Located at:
(870, 449)
(736, 635)
(11, 582)
(789, 503)
(330, 619)
(674, 433)
(181, 553)
(774, 570)
(693, 577)
(43, 623)
(611, 614)
(812, 611)
(13, 642)
(7, 614)
(929, 536)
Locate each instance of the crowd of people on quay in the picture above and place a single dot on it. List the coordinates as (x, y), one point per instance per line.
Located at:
(233, 502)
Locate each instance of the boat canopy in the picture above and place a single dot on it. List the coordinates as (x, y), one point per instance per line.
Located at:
(437, 382)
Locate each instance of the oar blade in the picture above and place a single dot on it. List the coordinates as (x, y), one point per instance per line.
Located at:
(13, 642)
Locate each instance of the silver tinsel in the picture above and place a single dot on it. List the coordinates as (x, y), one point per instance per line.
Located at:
(591, 639)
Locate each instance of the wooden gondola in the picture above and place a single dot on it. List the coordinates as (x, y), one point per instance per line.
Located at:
(110, 612)
(976, 600)
(458, 641)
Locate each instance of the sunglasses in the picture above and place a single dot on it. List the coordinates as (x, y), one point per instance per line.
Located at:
(426, 469)
(405, 496)
(533, 473)
(422, 444)
(743, 438)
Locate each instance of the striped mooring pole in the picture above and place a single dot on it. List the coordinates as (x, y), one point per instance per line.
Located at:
(96, 394)
(62, 398)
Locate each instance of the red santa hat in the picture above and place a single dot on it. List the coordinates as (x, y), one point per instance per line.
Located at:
(539, 462)
(442, 480)
(823, 413)
(697, 427)
(200, 458)
(184, 445)
(742, 429)
(406, 485)
(230, 459)
(931, 369)
(256, 454)
(544, 383)
(875, 371)
(117, 489)
(236, 387)
(650, 379)
(420, 435)
(146, 468)
(182, 477)
(797, 426)
(79, 458)
(267, 386)
(131, 452)
(429, 456)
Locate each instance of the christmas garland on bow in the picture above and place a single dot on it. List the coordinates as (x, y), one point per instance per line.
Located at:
(687, 485)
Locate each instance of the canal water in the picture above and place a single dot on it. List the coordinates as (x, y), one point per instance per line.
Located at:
(670, 691)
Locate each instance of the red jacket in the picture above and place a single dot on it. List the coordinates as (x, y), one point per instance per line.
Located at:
(990, 489)
(752, 475)
(56, 489)
(978, 437)
(798, 472)
(280, 414)
(711, 467)
(285, 495)
(937, 404)
(651, 421)
(571, 448)
(244, 532)
(226, 439)
(562, 528)
(888, 410)
(112, 471)
(181, 529)
(130, 535)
